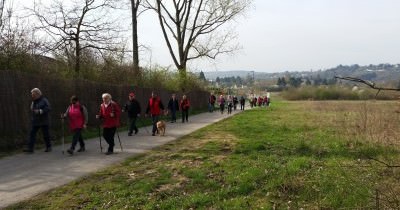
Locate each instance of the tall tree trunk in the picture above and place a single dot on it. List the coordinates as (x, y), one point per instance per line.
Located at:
(77, 58)
(182, 77)
(135, 47)
(1, 11)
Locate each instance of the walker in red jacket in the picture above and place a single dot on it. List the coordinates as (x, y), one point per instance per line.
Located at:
(109, 113)
(155, 108)
(184, 106)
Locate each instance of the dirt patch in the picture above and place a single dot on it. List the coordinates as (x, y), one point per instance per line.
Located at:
(227, 139)
(179, 182)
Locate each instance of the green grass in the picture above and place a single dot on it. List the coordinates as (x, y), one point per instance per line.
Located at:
(285, 157)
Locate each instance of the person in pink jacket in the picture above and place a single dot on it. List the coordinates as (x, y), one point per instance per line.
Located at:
(78, 117)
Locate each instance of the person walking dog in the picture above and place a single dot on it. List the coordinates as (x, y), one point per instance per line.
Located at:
(40, 108)
(109, 113)
(155, 108)
(77, 116)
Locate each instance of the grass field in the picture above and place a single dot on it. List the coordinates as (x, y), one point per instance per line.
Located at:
(310, 155)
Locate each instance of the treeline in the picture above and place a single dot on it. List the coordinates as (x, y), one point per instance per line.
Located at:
(336, 92)
(298, 81)
(231, 81)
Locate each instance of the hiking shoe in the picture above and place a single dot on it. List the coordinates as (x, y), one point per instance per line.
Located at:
(130, 134)
(70, 151)
(109, 153)
(48, 149)
(82, 149)
(153, 134)
(136, 131)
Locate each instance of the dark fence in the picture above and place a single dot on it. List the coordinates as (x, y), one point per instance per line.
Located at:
(15, 102)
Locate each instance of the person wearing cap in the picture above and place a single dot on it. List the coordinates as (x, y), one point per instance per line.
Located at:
(155, 108)
(173, 107)
(133, 108)
(109, 113)
(40, 108)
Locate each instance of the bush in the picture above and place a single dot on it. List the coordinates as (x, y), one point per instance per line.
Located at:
(335, 93)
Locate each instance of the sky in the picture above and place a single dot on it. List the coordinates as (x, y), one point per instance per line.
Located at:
(297, 35)
(288, 35)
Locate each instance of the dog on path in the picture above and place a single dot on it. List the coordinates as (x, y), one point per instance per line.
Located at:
(161, 125)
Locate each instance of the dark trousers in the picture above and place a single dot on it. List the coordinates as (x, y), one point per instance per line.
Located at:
(185, 115)
(221, 108)
(241, 106)
(45, 132)
(77, 137)
(173, 115)
(154, 120)
(108, 134)
(210, 107)
(132, 125)
(229, 108)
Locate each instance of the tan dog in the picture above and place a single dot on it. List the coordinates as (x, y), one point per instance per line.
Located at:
(161, 125)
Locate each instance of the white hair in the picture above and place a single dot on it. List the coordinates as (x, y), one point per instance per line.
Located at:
(106, 95)
(37, 91)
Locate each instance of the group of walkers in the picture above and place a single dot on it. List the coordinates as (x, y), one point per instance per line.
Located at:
(231, 102)
(109, 115)
(174, 105)
(260, 101)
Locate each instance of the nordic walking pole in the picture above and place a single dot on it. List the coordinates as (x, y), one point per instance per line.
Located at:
(101, 148)
(119, 139)
(63, 135)
(99, 118)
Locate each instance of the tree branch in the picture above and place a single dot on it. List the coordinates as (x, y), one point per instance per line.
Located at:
(368, 83)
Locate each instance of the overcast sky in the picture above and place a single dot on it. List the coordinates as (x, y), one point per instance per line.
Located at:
(288, 35)
(281, 35)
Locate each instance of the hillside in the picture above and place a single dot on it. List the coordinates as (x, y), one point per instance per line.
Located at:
(378, 73)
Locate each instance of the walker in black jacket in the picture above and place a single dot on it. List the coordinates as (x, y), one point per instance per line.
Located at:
(40, 109)
(173, 107)
(134, 110)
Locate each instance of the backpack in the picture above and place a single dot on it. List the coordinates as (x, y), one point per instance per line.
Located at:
(212, 99)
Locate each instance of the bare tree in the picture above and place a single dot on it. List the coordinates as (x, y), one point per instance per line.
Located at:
(16, 42)
(78, 26)
(135, 43)
(194, 26)
(2, 2)
(1, 11)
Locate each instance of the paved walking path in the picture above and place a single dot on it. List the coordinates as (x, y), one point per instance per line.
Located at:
(25, 175)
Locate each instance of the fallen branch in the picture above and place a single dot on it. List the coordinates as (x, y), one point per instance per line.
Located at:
(387, 165)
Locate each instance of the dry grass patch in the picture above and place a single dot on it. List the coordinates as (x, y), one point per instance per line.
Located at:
(375, 122)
